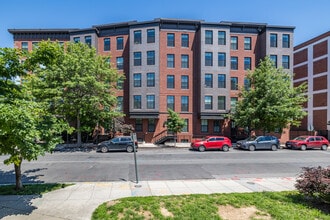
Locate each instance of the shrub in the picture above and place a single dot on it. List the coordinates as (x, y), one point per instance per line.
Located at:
(315, 182)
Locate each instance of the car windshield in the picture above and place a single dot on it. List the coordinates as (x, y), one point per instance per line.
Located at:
(252, 138)
(300, 138)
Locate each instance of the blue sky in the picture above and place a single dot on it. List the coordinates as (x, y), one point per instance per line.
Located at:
(310, 17)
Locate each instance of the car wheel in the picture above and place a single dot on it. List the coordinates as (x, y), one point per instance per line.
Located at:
(225, 148)
(274, 147)
(303, 147)
(252, 148)
(324, 147)
(104, 149)
(129, 149)
(201, 148)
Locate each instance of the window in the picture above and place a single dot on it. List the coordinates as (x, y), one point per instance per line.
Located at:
(286, 41)
(170, 61)
(185, 127)
(247, 84)
(137, 37)
(151, 125)
(170, 40)
(137, 79)
(222, 59)
(88, 40)
(234, 63)
(208, 37)
(208, 80)
(25, 46)
(138, 124)
(184, 40)
(151, 36)
(170, 102)
(208, 59)
(120, 83)
(216, 126)
(137, 58)
(106, 44)
(208, 102)
(221, 38)
(120, 63)
(184, 82)
(120, 103)
(221, 102)
(233, 102)
(150, 101)
(273, 40)
(151, 57)
(204, 125)
(234, 83)
(184, 103)
(221, 81)
(247, 43)
(76, 39)
(137, 102)
(273, 58)
(35, 45)
(286, 62)
(120, 43)
(170, 82)
(184, 61)
(247, 63)
(150, 79)
(234, 43)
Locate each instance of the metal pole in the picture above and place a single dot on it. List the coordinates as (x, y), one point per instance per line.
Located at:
(135, 161)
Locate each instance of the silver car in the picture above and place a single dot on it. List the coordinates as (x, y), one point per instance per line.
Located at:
(259, 142)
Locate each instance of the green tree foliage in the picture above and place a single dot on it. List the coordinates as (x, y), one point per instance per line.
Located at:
(174, 123)
(27, 130)
(78, 84)
(10, 69)
(270, 102)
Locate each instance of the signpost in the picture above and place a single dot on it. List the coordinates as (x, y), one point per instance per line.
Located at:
(135, 161)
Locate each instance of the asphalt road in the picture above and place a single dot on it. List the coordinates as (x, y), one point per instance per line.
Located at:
(164, 164)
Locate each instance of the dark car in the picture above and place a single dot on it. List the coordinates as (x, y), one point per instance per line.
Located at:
(120, 143)
(305, 142)
(259, 142)
(212, 142)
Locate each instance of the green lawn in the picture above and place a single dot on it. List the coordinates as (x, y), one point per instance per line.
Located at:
(263, 205)
(31, 189)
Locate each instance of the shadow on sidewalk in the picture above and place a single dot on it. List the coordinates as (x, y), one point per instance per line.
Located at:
(17, 204)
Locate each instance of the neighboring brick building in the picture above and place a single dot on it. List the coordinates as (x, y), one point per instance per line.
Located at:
(312, 65)
(191, 66)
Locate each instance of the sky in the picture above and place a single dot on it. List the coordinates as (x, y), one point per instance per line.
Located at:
(310, 17)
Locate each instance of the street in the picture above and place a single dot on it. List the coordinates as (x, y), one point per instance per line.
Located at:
(163, 164)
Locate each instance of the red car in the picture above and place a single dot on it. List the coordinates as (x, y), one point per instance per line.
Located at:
(305, 142)
(212, 142)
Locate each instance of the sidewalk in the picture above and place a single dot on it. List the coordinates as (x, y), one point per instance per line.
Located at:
(80, 200)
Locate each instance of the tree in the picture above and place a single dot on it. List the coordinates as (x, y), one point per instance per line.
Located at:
(174, 123)
(78, 84)
(270, 102)
(27, 130)
(10, 69)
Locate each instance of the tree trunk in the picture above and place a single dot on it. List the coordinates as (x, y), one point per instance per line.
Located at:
(18, 175)
(78, 130)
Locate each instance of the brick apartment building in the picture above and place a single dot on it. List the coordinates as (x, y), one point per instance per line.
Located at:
(312, 65)
(191, 66)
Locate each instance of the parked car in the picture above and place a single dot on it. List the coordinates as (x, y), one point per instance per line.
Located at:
(120, 143)
(212, 142)
(305, 142)
(259, 142)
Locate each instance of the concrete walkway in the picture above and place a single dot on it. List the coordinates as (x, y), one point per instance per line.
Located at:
(80, 200)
